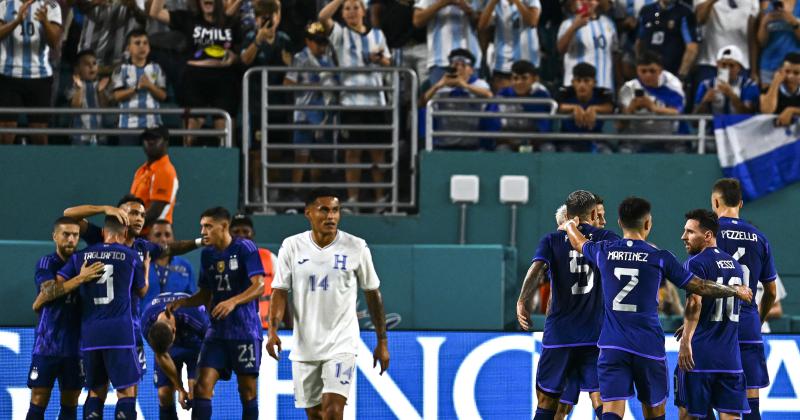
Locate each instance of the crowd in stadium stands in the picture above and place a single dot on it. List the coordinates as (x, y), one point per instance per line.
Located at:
(660, 57)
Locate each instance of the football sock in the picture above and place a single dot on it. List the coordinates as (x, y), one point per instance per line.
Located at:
(125, 409)
(168, 412)
(92, 408)
(250, 410)
(201, 409)
(35, 412)
(755, 412)
(657, 418)
(68, 412)
(599, 411)
(611, 416)
(544, 414)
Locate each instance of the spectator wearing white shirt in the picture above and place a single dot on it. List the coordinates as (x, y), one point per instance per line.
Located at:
(723, 23)
(450, 26)
(588, 36)
(357, 46)
(515, 35)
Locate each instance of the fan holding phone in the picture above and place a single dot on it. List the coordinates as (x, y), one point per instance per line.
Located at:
(731, 92)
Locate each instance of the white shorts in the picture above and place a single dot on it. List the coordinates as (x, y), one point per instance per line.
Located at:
(312, 379)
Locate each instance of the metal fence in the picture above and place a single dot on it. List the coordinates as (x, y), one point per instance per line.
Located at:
(225, 134)
(432, 112)
(274, 191)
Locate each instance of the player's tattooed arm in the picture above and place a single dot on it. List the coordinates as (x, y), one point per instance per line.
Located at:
(179, 247)
(715, 290)
(54, 289)
(534, 277)
(81, 212)
(154, 211)
(576, 238)
(201, 297)
(277, 307)
(691, 316)
(376, 314)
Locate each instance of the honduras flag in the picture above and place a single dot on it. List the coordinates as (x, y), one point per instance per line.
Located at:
(763, 157)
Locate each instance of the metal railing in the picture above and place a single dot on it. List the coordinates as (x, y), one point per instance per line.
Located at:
(701, 137)
(226, 134)
(393, 90)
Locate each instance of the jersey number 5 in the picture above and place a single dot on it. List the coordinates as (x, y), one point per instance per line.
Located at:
(620, 272)
(583, 271)
(108, 279)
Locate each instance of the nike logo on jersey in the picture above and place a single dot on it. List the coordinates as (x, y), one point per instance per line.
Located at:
(302, 261)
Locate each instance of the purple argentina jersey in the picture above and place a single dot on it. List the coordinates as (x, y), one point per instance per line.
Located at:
(715, 343)
(226, 274)
(576, 305)
(751, 249)
(106, 320)
(190, 323)
(58, 332)
(631, 271)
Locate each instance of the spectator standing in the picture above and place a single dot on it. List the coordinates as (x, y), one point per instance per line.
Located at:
(626, 15)
(156, 181)
(138, 83)
(778, 33)
(588, 36)
(722, 23)
(450, 26)
(783, 96)
(406, 41)
(314, 56)
(210, 78)
(28, 30)
(525, 84)
(87, 92)
(584, 100)
(460, 81)
(515, 34)
(654, 91)
(167, 48)
(357, 46)
(168, 273)
(106, 25)
(731, 91)
(669, 27)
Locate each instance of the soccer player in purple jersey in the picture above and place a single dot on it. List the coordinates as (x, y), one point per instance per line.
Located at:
(231, 281)
(631, 339)
(709, 372)
(574, 315)
(176, 339)
(56, 352)
(107, 331)
(751, 249)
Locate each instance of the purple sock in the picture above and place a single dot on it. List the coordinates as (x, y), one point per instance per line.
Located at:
(544, 414)
(92, 408)
(68, 412)
(201, 409)
(35, 412)
(125, 409)
(755, 411)
(611, 416)
(250, 410)
(599, 411)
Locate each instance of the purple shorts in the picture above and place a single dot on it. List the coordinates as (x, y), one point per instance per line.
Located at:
(700, 391)
(46, 369)
(120, 366)
(566, 371)
(619, 371)
(228, 356)
(754, 363)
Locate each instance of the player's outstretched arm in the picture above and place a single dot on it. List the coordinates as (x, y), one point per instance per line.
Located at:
(691, 316)
(256, 289)
(277, 307)
(201, 297)
(54, 289)
(767, 300)
(576, 238)
(167, 365)
(83, 211)
(534, 277)
(181, 247)
(715, 290)
(376, 314)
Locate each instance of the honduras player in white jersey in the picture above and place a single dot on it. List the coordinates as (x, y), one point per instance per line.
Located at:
(324, 267)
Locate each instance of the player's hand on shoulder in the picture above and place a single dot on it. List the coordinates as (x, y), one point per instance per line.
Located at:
(381, 354)
(272, 342)
(91, 272)
(173, 306)
(744, 293)
(223, 309)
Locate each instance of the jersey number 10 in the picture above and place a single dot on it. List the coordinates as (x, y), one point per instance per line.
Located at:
(731, 308)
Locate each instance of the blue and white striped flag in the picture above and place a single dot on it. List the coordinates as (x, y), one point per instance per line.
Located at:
(764, 158)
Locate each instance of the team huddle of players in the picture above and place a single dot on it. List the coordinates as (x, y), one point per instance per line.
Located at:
(602, 334)
(91, 332)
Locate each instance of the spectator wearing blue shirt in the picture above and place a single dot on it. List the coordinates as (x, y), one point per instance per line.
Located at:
(783, 96)
(670, 28)
(778, 33)
(168, 273)
(584, 100)
(731, 92)
(524, 84)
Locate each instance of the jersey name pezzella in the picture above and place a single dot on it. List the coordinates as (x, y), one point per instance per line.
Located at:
(738, 235)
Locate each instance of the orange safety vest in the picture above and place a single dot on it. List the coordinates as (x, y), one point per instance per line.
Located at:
(263, 302)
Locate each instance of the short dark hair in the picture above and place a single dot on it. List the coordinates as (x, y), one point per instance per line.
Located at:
(217, 213)
(162, 222)
(134, 33)
(316, 193)
(598, 199)
(648, 57)
(83, 53)
(112, 224)
(462, 52)
(524, 67)
(241, 219)
(632, 212)
(160, 337)
(708, 219)
(64, 220)
(580, 203)
(730, 189)
(792, 58)
(158, 132)
(129, 198)
(584, 71)
(265, 7)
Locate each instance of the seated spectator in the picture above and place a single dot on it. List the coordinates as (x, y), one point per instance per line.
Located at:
(584, 100)
(654, 91)
(778, 33)
(525, 84)
(314, 56)
(138, 83)
(105, 27)
(626, 15)
(588, 36)
(87, 92)
(669, 27)
(726, 22)
(783, 96)
(459, 81)
(515, 35)
(450, 27)
(731, 92)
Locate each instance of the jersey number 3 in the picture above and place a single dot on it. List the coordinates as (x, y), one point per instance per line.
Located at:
(108, 279)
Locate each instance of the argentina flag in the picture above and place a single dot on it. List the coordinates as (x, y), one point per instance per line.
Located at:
(763, 157)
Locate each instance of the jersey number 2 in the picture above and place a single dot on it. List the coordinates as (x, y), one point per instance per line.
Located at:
(620, 272)
(108, 280)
